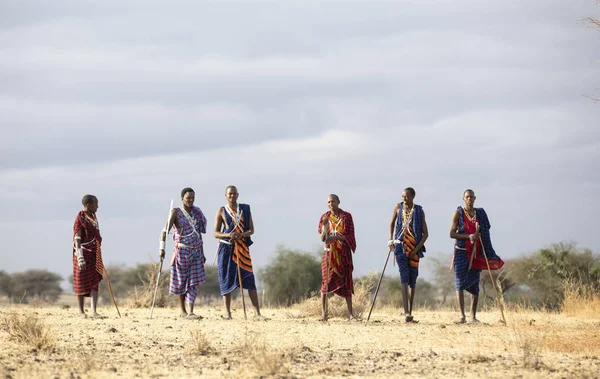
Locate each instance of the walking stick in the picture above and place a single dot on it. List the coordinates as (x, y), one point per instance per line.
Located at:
(325, 233)
(161, 262)
(241, 288)
(493, 283)
(474, 252)
(379, 284)
(111, 291)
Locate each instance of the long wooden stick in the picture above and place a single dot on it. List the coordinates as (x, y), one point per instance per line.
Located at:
(493, 283)
(111, 291)
(379, 284)
(241, 288)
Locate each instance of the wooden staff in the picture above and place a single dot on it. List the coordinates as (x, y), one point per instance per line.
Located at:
(325, 235)
(379, 284)
(161, 261)
(474, 252)
(111, 291)
(241, 288)
(492, 280)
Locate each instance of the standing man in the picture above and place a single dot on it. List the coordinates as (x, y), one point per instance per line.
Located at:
(408, 242)
(337, 231)
(87, 255)
(187, 262)
(471, 230)
(233, 228)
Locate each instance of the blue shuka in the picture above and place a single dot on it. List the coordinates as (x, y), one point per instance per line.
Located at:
(228, 269)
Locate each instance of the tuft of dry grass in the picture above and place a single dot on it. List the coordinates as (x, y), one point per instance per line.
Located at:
(529, 346)
(199, 344)
(580, 301)
(29, 330)
(269, 362)
(141, 296)
(361, 301)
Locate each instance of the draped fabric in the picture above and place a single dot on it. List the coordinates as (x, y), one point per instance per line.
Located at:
(88, 279)
(336, 265)
(468, 279)
(466, 225)
(409, 233)
(233, 254)
(187, 272)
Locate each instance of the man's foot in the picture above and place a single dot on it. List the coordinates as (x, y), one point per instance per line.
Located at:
(323, 318)
(193, 316)
(82, 315)
(351, 318)
(473, 321)
(226, 317)
(260, 318)
(462, 320)
(410, 319)
(97, 315)
(183, 315)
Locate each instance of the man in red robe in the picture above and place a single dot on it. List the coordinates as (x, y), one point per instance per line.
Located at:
(87, 255)
(337, 231)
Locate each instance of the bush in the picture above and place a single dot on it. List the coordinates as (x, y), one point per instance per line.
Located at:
(291, 276)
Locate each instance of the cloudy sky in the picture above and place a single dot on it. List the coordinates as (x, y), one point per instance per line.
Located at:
(132, 101)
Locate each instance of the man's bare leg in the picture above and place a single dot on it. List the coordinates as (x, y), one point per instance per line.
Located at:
(412, 300)
(227, 303)
(405, 299)
(182, 305)
(460, 299)
(94, 303)
(80, 300)
(323, 307)
(349, 305)
(474, 301)
(254, 299)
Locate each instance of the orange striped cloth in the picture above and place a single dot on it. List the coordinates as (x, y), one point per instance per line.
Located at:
(241, 253)
(409, 242)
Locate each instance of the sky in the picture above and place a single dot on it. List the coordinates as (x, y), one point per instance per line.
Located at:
(291, 101)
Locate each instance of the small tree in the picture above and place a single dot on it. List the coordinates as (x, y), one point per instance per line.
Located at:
(41, 284)
(6, 284)
(443, 277)
(291, 276)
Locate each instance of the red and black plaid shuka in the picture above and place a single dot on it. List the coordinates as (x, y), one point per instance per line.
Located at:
(88, 279)
(337, 266)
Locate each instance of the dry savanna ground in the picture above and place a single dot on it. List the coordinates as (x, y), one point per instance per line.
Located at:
(54, 342)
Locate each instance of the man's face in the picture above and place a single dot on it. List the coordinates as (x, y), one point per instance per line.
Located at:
(407, 197)
(333, 203)
(188, 199)
(231, 195)
(469, 198)
(93, 206)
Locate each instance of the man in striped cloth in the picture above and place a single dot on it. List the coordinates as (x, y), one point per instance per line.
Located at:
(87, 255)
(233, 228)
(408, 242)
(337, 231)
(187, 262)
(470, 227)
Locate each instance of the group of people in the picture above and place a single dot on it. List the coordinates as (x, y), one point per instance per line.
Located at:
(234, 227)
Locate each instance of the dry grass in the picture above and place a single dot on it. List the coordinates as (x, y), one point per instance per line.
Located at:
(361, 301)
(29, 330)
(141, 296)
(535, 344)
(199, 344)
(580, 301)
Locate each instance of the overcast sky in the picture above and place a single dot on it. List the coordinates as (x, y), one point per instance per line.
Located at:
(290, 102)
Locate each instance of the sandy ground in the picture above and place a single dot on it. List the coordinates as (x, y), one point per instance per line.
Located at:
(532, 345)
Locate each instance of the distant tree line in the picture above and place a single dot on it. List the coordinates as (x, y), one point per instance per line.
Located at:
(536, 279)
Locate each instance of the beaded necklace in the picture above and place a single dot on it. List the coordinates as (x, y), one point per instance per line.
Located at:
(469, 217)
